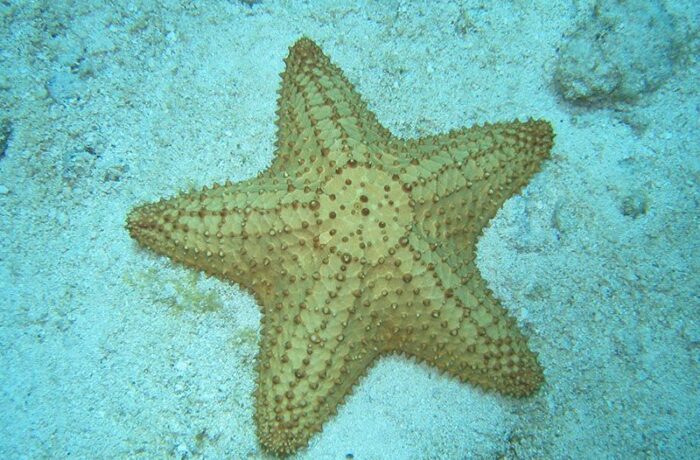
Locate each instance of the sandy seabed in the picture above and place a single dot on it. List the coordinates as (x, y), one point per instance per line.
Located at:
(109, 351)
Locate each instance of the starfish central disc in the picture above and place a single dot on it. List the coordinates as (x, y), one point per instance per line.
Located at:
(363, 212)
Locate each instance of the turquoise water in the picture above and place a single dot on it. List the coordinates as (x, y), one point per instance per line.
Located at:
(109, 351)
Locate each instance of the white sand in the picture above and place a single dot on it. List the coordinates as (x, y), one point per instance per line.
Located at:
(109, 351)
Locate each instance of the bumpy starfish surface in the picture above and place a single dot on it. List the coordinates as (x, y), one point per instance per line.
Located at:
(357, 244)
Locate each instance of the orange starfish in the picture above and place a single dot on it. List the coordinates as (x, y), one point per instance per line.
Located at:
(357, 244)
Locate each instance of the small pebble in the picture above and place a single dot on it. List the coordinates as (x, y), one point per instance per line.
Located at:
(5, 133)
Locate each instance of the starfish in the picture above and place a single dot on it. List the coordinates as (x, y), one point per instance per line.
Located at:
(357, 244)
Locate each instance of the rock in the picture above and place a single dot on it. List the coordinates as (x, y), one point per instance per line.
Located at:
(625, 50)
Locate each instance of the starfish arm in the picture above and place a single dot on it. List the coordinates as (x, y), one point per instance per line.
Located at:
(460, 187)
(313, 351)
(322, 121)
(237, 233)
(470, 173)
(453, 322)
